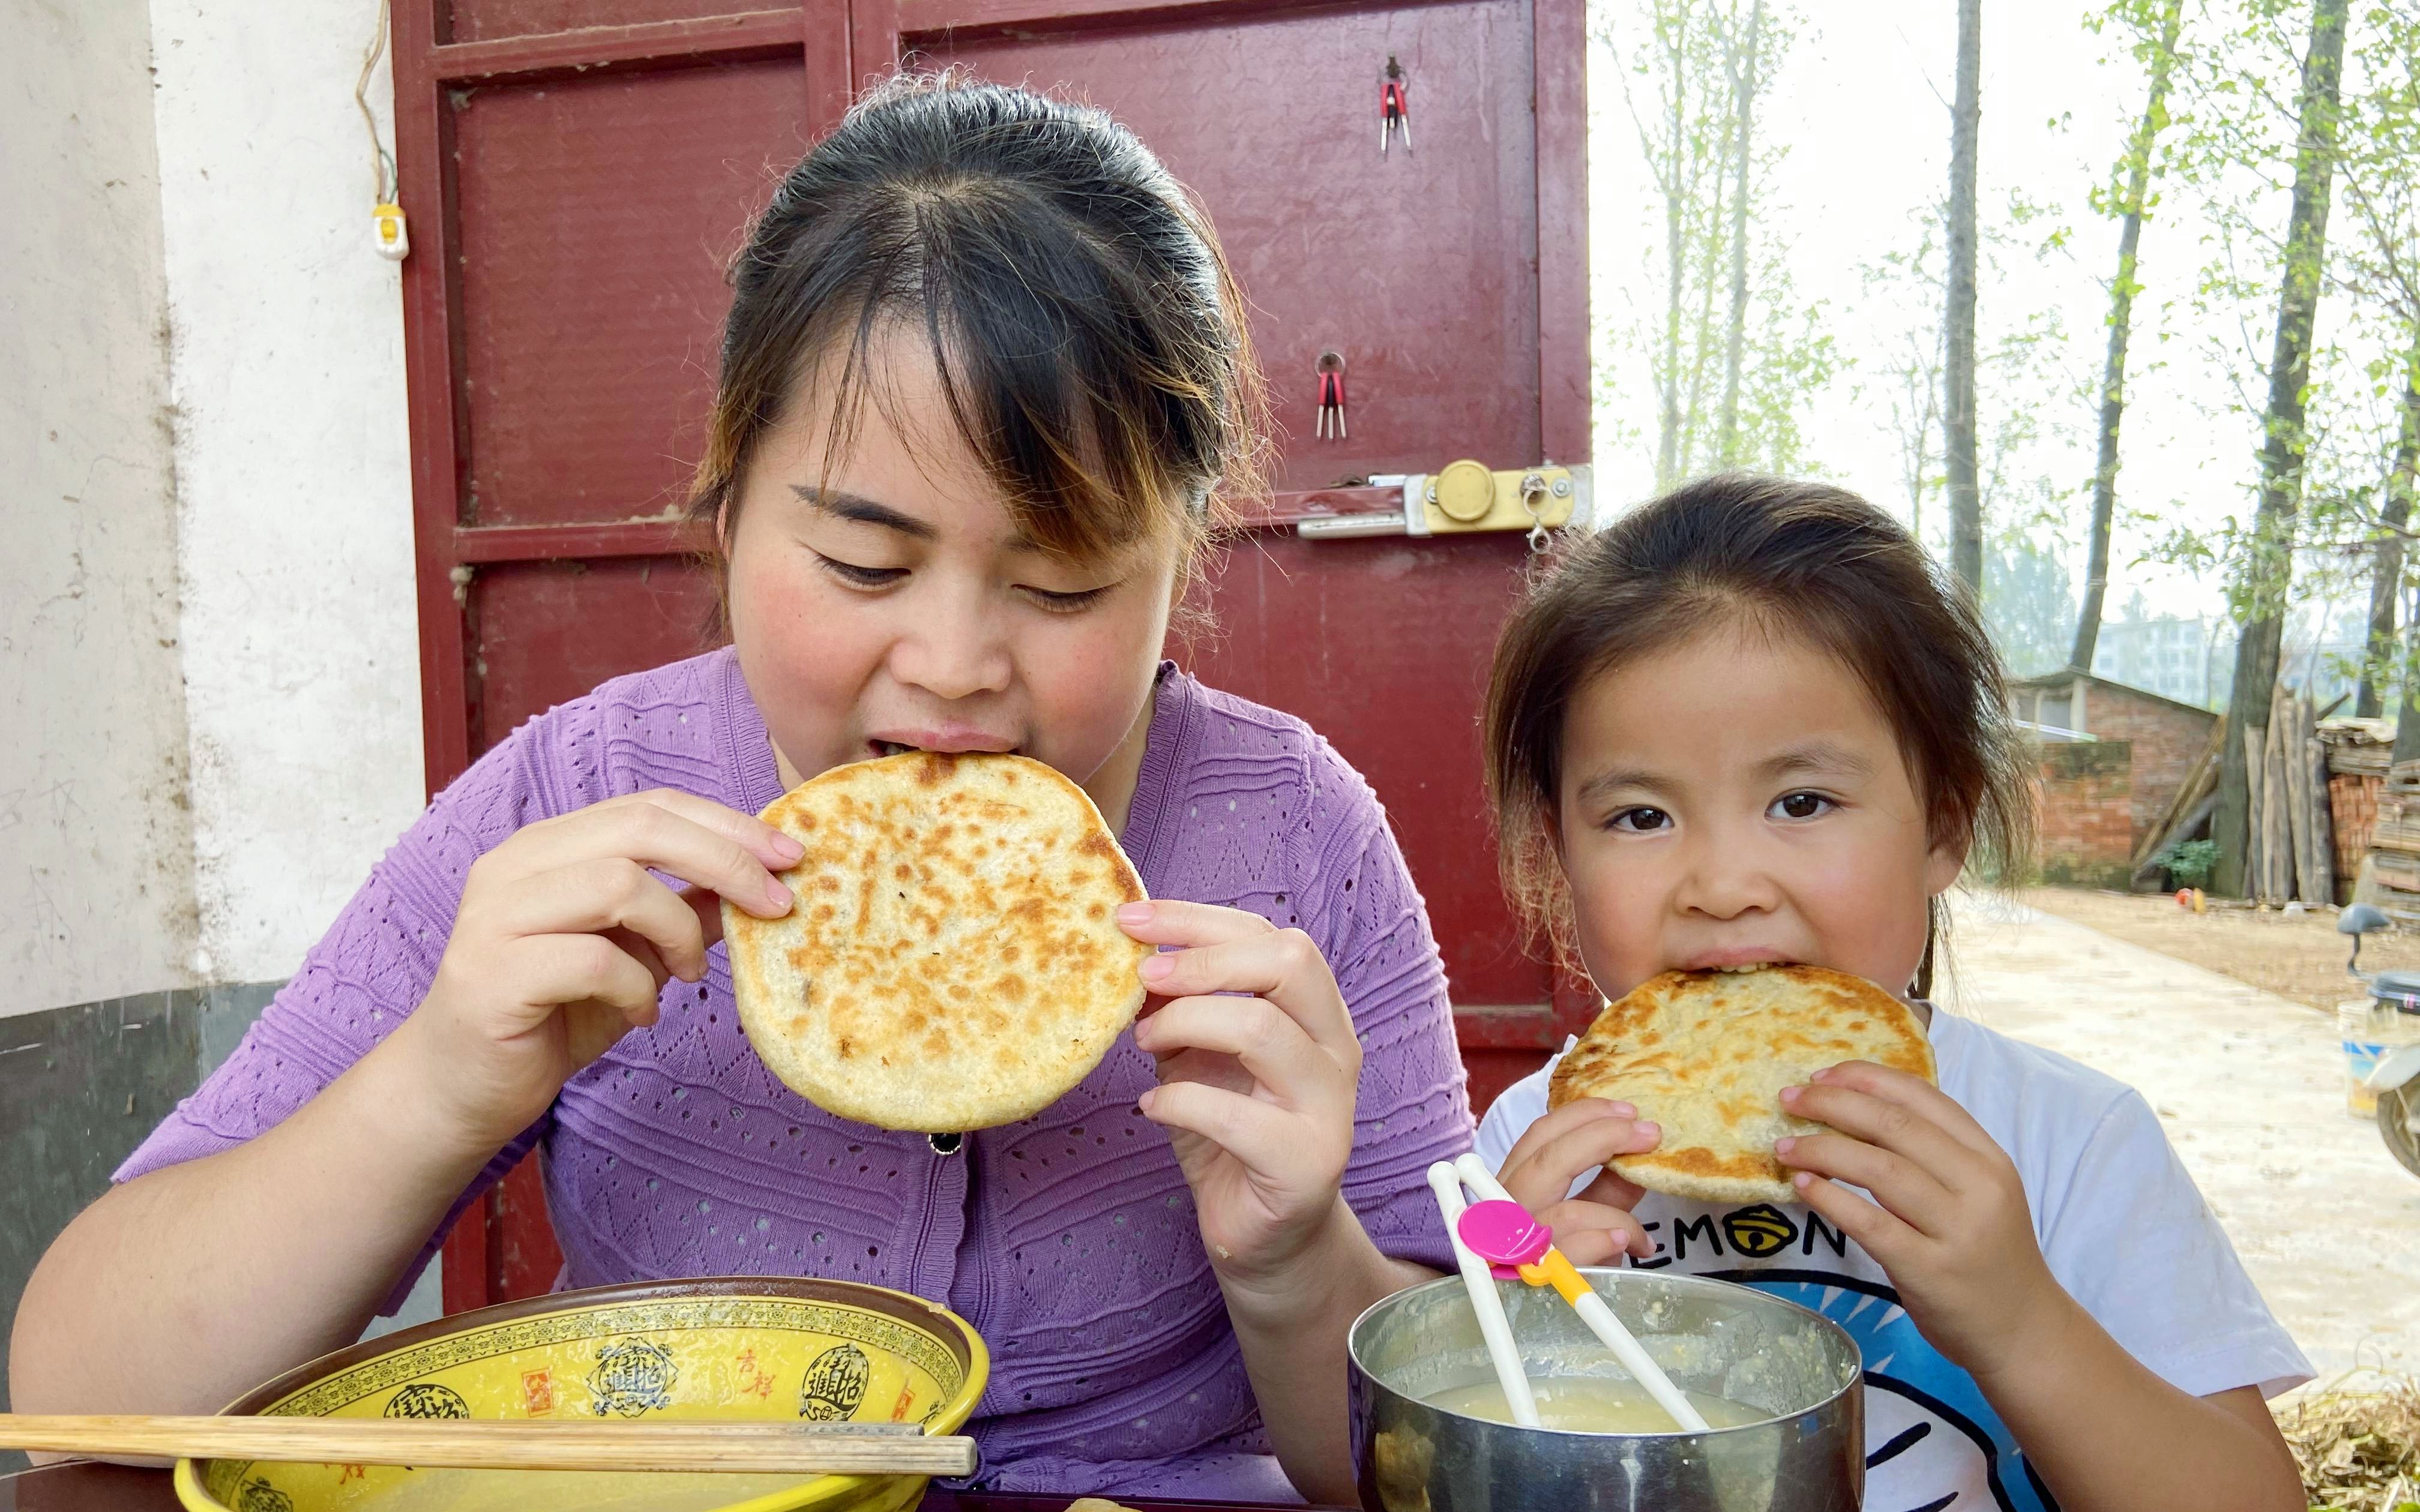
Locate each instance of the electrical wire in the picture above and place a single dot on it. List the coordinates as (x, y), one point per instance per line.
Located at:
(381, 161)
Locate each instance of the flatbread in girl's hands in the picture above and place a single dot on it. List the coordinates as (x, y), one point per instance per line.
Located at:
(1706, 1054)
(953, 960)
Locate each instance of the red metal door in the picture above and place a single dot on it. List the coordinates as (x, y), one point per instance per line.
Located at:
(579, 170)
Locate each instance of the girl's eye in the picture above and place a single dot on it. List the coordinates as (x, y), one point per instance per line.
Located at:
(1059, 603)
(1800, 805)
(1641, 821)
(856, 576)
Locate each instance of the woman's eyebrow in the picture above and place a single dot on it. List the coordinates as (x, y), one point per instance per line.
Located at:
(863, 511)
(1815, 756)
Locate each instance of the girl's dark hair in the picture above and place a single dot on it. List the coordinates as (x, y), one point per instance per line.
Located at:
(1088, 335)
(1802, 558)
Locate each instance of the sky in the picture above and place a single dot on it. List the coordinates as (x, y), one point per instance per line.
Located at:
(1861, 101)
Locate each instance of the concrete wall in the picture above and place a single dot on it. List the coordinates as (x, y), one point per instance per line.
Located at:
(301, 667)
(206, 631)
(96, 843)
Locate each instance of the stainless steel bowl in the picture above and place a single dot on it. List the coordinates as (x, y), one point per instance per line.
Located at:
(1709, 1335)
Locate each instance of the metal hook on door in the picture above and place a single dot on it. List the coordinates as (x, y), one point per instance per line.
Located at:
(1533, 488)
(1331, 395)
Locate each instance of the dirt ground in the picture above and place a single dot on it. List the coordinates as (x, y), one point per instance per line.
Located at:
(2251, 1090)
(2300, 957)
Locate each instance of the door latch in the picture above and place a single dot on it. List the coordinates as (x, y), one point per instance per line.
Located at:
(1468, 496)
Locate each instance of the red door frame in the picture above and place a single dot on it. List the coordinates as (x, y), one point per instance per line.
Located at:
(481, 1263)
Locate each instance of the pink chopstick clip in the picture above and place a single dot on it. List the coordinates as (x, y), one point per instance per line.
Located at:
(1505, 1236)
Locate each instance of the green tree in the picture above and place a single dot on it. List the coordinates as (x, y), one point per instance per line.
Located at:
(2019, 441)
(1732, 354)
(1958, 416)
(2380, 266)
(2027, 604)
(2155, 25)
(2236, 128)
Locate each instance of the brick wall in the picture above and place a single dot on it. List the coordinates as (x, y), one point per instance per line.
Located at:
(2086, 793)
(2167, 741)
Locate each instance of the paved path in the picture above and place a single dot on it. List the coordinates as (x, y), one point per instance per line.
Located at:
(2251, 1088)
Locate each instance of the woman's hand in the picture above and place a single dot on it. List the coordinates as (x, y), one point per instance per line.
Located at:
(1595, 1228)
(1256, 1092)
(1947, 1222)
(563, 940)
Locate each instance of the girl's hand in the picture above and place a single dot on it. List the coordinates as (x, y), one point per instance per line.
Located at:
(1947, 1221)
(1256, 1092)
(563, 940)
(1595, 1228)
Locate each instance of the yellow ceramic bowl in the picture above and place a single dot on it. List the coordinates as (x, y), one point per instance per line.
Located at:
(749, 1346)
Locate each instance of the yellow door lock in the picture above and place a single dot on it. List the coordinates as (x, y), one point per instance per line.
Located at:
(1468, 496)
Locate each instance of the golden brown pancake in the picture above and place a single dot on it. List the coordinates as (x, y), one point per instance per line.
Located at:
(953, 960)
(1706, 1054)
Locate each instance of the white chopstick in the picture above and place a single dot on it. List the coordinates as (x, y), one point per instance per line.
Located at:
(1597, 1316)
(1493, 1325)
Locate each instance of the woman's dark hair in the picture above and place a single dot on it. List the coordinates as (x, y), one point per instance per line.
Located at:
(1088, 336)
(1772, 554)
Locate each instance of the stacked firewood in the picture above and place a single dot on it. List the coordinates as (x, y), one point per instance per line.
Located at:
(2394, 844)
(2377, 812)
(2292, 850)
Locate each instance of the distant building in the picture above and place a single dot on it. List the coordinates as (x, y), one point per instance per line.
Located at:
(2192, 661)
(2113, 758)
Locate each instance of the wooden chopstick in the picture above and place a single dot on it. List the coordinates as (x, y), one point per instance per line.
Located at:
(504, 1445)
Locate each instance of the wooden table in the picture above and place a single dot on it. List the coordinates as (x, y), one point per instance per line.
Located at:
(94, 1487)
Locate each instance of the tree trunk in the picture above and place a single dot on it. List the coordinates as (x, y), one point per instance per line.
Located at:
(2379, 661)
(1742, 150)
(1957, 377)
(1667, 462)
(2121, 317)
(2268, 565)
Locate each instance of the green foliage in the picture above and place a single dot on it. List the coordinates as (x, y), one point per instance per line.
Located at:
(2028, 400)
(1684, 68)
(2188, 862)
(2027, 606)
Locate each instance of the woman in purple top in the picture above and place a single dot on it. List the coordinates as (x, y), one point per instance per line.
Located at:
(982, 372)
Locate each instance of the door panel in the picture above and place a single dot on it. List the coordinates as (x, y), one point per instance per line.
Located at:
(480, 21)
(543, 632)
(1418, 269)
(589, 325)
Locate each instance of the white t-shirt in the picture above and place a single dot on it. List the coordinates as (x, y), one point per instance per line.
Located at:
(2121, 1224)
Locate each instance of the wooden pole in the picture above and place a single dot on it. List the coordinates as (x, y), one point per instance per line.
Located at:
(2298, 721)
(501, 1445)
(2276, 837)
(2323, 842)
(2255, 747)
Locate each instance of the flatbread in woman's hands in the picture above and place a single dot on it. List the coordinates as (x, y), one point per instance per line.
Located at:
(953, 960)
(1706, 1054)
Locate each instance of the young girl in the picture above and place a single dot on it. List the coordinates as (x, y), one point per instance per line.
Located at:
(983, 369)
(1748, 724)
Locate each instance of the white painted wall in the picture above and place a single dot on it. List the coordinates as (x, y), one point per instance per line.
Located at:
(207, 652)
(95, 845)
(301, 665)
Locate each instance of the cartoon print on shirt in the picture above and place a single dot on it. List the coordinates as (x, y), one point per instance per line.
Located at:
(1938, 1423)
(1925, 1416)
